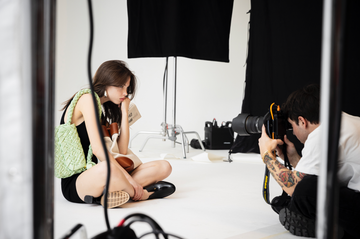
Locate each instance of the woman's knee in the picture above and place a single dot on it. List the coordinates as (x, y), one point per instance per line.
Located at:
(102, 171)
(165, 168)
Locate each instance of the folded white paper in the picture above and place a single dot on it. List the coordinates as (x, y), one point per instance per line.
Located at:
(168, 156)
(208, 157)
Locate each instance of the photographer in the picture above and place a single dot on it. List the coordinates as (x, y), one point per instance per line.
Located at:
(298, 216)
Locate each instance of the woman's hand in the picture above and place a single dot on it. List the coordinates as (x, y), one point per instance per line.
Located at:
(138, 190)
(124, 106)
(123, 141)
(268, 144)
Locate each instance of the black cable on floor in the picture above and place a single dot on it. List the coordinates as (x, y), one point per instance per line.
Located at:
(97, 114)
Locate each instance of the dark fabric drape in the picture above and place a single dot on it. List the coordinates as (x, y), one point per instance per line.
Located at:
(195, 29)
(284, 54)
(351, 83)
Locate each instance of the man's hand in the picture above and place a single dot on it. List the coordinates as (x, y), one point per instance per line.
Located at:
(286, 178)
(290, 148)
(292, 154)
(268, 144)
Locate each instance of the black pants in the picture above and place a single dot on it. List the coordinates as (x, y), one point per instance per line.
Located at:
(304, 198)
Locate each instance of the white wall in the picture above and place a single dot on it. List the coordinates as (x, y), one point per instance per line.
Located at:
(205, 89)
(16, 174)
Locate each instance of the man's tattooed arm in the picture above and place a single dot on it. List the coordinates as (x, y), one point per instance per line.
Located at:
(286, 178)
(300, 175)
(267, 161)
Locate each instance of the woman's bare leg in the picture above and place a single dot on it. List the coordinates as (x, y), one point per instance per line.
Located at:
(92, 181)
(151, 172)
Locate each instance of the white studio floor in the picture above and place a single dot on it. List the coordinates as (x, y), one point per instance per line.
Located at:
(213, 200)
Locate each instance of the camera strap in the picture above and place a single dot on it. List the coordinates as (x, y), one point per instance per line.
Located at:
(266, 193)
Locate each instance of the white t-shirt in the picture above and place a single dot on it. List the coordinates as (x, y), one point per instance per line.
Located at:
(349, 152)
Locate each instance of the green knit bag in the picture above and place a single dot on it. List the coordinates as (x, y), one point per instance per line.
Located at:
(69, 154)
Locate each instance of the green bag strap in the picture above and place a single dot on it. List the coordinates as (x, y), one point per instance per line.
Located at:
(89, 162)
(75, 100)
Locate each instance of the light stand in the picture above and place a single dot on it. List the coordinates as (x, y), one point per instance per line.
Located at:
(169, 131)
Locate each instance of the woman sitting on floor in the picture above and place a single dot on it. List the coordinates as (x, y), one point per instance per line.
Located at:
(115, 84)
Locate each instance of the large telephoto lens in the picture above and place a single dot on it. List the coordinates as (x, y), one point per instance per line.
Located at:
(245, 124)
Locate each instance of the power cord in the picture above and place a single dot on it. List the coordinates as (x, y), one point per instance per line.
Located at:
(97, 113)
(124, 230)
(138, 217)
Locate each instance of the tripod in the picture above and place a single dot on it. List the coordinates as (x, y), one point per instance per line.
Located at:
(170, 131)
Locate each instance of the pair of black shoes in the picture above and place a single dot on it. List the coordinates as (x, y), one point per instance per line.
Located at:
(280, 202)
(299, 225)
(160, 189)
(296, 223)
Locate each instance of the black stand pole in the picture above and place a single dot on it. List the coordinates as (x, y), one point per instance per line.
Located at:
(330, 116)
(43, 94)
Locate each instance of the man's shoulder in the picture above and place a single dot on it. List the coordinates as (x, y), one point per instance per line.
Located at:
(351, 119)
(314, 134)
(350, 125)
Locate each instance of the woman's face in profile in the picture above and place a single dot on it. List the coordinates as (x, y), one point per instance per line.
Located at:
(118, 94)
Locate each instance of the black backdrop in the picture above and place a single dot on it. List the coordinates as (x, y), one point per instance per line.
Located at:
(284, 54)
(197, 29)
(284, 48)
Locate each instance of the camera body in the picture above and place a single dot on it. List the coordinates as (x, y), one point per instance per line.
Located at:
(276, 126)
(275, 122)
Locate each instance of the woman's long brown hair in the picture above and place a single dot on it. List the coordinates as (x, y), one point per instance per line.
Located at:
(111, 73)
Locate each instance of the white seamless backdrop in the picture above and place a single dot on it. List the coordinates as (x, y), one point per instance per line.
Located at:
(205, 89)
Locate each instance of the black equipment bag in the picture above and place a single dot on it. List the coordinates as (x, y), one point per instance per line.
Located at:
(218, 137)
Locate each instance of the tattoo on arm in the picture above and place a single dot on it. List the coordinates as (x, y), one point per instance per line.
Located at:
(300, 175)
(287, 178)
(270, 166)
(275, 176)
(280, 166)
(267, 161)
(267, 158)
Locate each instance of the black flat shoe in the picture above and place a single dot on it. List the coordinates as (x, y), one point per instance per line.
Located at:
(114, 199)
(161, 189)
(92, 200)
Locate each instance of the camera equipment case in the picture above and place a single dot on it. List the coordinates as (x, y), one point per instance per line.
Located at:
(218, 137)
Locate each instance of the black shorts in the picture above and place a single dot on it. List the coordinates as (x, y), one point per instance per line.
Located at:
(68, 188)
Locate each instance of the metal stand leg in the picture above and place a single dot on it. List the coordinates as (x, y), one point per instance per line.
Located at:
(169, 132)
(183, 137)
(147, 139)
(144, 132)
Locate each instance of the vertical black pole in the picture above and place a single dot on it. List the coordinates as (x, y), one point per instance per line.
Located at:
(43, 94)
(330, 117)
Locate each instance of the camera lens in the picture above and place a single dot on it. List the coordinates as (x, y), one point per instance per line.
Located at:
(254, 124)
(245, 124)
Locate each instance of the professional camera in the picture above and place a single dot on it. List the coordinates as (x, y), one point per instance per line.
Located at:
(275, 122)
(276, 125)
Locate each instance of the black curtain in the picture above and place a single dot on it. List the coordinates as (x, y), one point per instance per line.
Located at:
(195, 29)
(351, 83)
(284, 54)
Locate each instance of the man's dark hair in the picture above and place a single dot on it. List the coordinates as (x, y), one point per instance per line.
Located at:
(304, 102)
